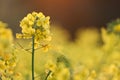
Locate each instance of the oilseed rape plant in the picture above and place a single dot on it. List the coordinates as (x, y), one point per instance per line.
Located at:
(7, 54)
(43, 52)
(36, 26)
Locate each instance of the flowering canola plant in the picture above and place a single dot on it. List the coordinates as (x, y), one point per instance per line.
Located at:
(37, 27)
(7, 54)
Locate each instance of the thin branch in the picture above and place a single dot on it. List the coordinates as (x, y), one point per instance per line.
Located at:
(48, 75)
(23, 47)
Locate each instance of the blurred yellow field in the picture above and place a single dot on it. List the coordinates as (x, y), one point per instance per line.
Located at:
(93, 55)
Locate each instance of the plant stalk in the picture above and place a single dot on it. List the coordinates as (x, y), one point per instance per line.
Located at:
(48, 75)
(33, 50)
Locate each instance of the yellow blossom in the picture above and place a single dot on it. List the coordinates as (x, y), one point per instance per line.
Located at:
(2, 25)
(63, 74)
(6, 37)
(37, 25)
(117, 28)
(45, 47)
(51, 66)
(7, 57)
(2, 65)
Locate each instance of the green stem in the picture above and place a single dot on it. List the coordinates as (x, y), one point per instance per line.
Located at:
(48, 75)
(33, 50)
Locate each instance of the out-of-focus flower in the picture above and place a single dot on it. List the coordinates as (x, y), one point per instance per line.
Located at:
(117, 28)
(114, 26)
(6, 37)
(109, 40)
(63, 74)
(51, 66)
(2, 25)
(7, 56)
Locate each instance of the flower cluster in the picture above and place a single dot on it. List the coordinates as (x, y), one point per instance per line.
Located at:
(114, 26)
(7, 56)
(5, 36)
(57, 72)
(37, 25)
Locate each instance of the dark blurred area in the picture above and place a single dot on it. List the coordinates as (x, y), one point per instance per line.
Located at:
(71, 14)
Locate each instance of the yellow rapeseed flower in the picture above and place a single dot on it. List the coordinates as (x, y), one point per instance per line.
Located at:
(51, 66)
(37, 25)
(7, 57)
(6, 37)
(2, 25)
(117, 28)
(2, 65)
